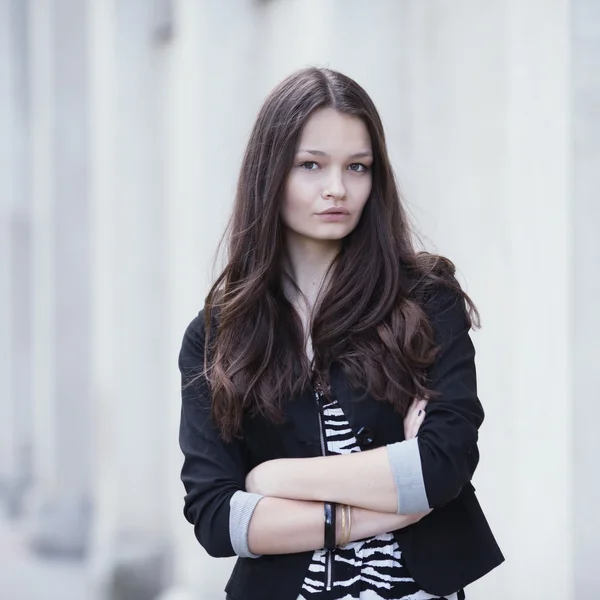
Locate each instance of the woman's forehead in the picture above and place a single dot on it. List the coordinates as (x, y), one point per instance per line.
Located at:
(328, 132)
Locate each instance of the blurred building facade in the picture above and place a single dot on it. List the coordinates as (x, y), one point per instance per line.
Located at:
(123, 127)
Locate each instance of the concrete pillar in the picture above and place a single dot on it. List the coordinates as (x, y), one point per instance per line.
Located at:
(290, 38)
(15, 266)
(187, 253)
(130, 545)
(538, 198)
(61, 302)
(451, 159)
(585, 110)
(211, 70)
(7, 109)
(7, 60)
(488, 88)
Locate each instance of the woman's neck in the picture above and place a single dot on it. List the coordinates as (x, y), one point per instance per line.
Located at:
(306, 262)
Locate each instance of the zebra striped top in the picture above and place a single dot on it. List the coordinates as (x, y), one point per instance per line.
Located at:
(370, 569)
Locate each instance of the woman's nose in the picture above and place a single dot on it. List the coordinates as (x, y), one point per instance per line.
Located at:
(335, 188)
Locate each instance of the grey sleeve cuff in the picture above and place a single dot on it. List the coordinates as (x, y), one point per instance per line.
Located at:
(241, 507)
(405, 462)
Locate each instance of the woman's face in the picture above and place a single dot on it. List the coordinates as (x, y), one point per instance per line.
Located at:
(331, 171)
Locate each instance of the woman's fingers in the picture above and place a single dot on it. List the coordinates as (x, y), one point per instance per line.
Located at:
(421, 414)
(414, 418)
(417, 414)
(409, 418)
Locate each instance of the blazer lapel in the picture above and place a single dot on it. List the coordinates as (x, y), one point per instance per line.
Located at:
(367, 416)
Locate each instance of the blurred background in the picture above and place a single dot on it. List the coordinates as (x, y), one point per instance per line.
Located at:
(122, 127)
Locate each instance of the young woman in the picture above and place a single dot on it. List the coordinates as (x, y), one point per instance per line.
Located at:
(330, 412)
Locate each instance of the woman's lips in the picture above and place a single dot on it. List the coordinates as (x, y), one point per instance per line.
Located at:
(333, 216)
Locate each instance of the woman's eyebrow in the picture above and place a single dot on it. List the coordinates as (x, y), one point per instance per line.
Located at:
(363, 154)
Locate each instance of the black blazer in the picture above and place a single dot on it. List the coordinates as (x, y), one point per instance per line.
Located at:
(445, 551)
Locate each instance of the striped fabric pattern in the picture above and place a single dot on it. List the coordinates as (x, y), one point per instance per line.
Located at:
(369, 569)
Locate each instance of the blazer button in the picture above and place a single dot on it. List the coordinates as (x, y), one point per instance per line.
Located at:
(364, 437)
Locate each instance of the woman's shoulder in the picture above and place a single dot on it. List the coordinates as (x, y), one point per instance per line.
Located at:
(196, 329)
(193, 343)
(194, 337)
(431, 279)
(439, 293)
(443, 297)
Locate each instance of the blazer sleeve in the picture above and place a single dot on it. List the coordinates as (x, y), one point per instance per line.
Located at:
(431, 469)
(448, 436)
(214, 471)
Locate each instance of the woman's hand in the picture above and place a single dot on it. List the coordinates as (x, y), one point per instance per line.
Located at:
(414, 417)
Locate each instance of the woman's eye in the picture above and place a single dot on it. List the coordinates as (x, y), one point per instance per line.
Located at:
(309, 165)
(358, 167)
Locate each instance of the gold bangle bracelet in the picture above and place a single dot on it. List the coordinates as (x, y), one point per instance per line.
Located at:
(346, 526)
(349, 524)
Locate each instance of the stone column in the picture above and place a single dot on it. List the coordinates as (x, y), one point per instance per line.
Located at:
(486, 171)
(15, 266)
(8, 465)
(290, 38)
(211, 70)
(61, 301)
(585, 111)
(130, 544)
(540, 301)
(187, 229)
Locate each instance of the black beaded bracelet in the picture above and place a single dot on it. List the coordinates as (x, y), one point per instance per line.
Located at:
(330, 513)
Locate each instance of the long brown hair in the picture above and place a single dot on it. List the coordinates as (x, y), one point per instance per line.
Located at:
(370, 319)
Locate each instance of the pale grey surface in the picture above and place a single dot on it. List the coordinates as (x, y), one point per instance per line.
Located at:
(16, 275)
(586, 296)
(24, 576)
(129, 256)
